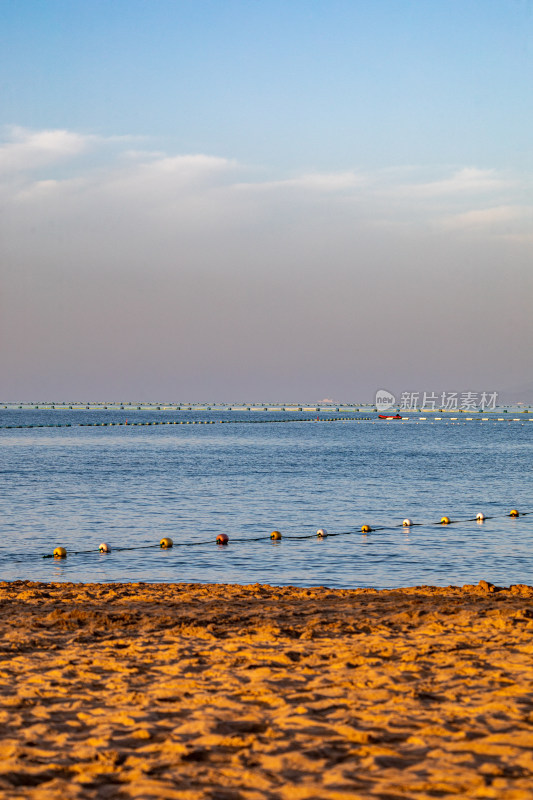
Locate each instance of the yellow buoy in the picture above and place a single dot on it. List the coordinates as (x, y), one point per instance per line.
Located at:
(275, 535)
(407, 523)
(365, 529)
(60, 552)
(514, 513)
(480, 517)
(166, 543)
(445, 521)
(104, 548)
(321, 532)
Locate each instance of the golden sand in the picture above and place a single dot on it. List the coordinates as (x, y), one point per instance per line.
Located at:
(227, 692)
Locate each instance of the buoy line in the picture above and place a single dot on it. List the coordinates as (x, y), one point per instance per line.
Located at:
(373, 419)
(185, 422)
(166, 543)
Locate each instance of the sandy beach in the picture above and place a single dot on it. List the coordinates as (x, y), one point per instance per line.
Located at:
(227, 692)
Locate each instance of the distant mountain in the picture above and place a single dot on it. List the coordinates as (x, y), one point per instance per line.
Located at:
(517, 394)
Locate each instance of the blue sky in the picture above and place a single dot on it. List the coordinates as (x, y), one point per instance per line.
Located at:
(244, 178)
(289, 85)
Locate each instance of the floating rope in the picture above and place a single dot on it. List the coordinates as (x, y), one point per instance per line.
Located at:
(223, 539)
(127, 424)
(186, 422)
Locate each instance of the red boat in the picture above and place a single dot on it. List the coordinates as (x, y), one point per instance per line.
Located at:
(385, 416)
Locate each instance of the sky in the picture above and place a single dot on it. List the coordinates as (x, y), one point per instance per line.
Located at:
(266, 200)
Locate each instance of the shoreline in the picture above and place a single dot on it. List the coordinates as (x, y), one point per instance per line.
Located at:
(233, 692)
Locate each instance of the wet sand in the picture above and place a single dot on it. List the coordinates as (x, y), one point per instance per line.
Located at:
(227, 692)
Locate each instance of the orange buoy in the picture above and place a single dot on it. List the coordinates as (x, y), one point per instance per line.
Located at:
(514, 513)
(275, 535)
(222, 538)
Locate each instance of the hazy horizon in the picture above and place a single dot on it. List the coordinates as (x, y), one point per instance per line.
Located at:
(254, 200)
(506, 398)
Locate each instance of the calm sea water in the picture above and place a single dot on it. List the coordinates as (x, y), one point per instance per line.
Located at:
(130, 486)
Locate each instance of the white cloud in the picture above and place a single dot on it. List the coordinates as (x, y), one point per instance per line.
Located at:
(193, 164)
(164, 194)
(514, 221)
(28, 150)
(466, 181)
(317, 182)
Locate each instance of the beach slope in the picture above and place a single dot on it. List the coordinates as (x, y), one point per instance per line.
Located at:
(230, 692)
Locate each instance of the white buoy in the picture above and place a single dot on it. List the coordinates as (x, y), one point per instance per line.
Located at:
(321, 532)
(480, 517)
(407, 523)
(104, 548)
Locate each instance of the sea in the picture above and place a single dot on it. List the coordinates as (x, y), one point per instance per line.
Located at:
(77, 477)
